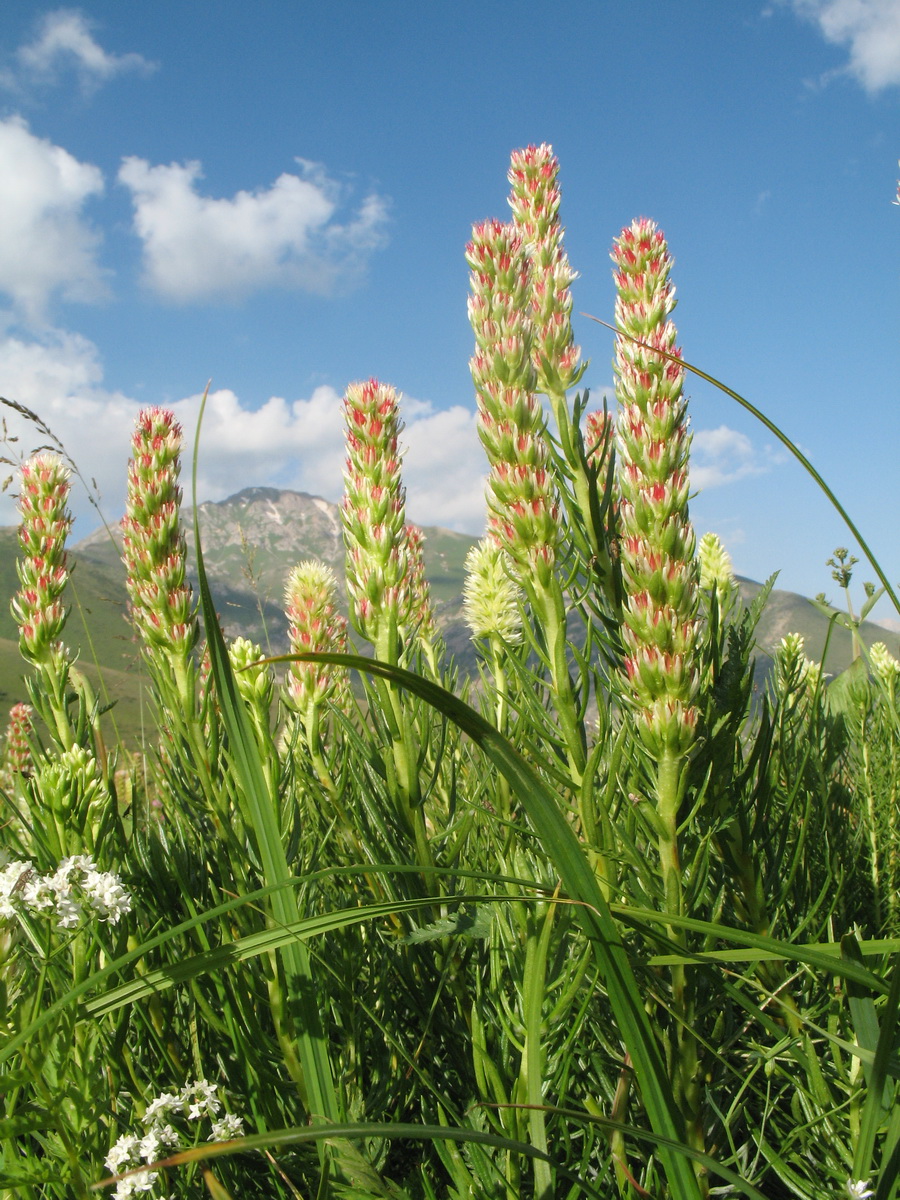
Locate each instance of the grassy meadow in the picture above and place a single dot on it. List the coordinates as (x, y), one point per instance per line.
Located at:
(613, 912)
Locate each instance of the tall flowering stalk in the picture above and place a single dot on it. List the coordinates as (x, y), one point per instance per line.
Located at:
(43, 571)
(523, 505)
(420, 626)
(373, 513)
(522, 501)
(154, 550)
(17, 759)
(315, 625)
(376, 538)
(535, 201)
(660, 574)
(492, 607)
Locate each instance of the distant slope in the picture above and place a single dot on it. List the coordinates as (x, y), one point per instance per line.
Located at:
(251, 541)
(787, 612)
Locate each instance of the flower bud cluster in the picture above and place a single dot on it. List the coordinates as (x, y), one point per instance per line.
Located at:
(795, 677)
(716, 571)
(314, 625)
(154, 547)
(373, 510)
(17, 758)
(599, 434)
(420, 618)
(75, 890)
(522, 502)
(255, 680)
(657, 539)
(491, 597)
(885, 667)
(534, 200)
(43, 566)
(71, 787)
(194, 1103)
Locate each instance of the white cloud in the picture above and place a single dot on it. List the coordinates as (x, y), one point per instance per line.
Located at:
(871, 30)
(59, 377)
(47, 247)
(64, 40)
(721, 456)
(199, 247)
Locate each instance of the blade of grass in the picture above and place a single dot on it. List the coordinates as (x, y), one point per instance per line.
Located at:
(262, 809)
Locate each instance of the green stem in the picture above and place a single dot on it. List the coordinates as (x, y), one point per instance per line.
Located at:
(535, 972)
(501, 715)
(550, 610)
(686, 1064)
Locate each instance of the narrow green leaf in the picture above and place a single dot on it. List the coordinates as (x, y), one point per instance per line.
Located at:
(862, 1007)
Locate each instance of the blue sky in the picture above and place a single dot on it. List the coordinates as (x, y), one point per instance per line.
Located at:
(277, 196)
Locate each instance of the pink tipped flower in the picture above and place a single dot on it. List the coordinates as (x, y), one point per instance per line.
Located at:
(657, 542)
(43, 567)
(315, 626)
(154, 547)
(420, 619)
(17, 757)
(373, 513)
(522, 502)
(534, 200)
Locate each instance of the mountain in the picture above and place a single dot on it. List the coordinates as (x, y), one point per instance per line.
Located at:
(253, 539)
(250, 543)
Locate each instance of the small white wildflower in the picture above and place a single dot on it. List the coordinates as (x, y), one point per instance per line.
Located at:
(149, 1146)
(858, 1189)
(162, 1104)
(123, 1154)
(206, 1102)
(106, 895)
(37, 894)
(143, 1181)
(227, 1127)
(68, 914)
(168, 1136)
(78, 864)
(156, 1141)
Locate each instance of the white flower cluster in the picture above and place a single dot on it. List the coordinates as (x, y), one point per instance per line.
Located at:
(194, 1102)
(75, 888)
